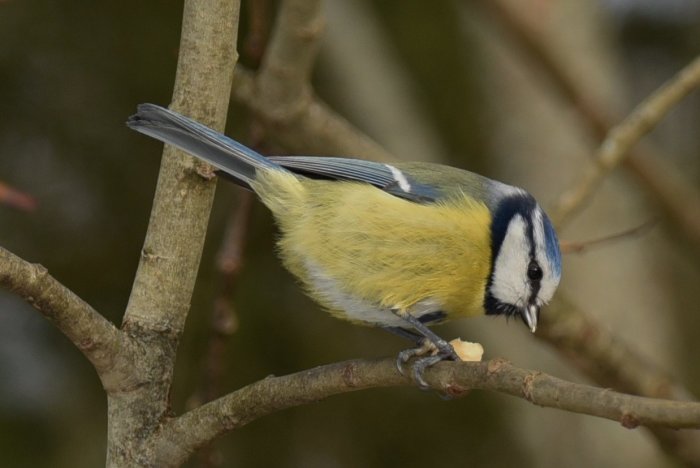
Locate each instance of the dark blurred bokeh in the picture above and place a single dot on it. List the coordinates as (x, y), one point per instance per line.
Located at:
(426, 79)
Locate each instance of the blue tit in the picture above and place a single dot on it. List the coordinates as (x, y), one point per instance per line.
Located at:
(400, 246)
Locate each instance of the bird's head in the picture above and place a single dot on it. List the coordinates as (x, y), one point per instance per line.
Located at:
(526, 262)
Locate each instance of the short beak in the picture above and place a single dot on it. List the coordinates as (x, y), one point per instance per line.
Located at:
(530, 315)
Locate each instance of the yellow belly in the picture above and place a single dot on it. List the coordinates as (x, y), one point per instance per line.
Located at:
(361, 252)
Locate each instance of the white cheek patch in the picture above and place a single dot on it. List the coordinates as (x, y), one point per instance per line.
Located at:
(509, 283)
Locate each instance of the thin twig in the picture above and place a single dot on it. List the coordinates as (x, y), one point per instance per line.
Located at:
(576, 247)
(668, 188)
(679, 200)
(616, 146)
(352, 140)
(309, 132)
(179, 437)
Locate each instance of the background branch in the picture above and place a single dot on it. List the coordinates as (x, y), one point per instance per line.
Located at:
(590, 346)
(314, 129)
(576, 247)
(567, 316)
(224, 320)
(594, 349)
(136, 364)
(621, 138)
(283, 81)
(667, 187)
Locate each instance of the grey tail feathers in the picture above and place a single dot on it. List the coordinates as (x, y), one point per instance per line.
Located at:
(236, 160)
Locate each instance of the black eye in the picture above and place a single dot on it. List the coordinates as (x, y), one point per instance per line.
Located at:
(534, 272)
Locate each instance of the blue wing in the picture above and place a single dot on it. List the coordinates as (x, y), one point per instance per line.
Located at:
(384, 176)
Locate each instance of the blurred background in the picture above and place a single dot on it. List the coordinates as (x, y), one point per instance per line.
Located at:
(445, 80)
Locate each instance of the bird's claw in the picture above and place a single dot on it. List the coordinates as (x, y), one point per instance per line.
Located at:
(429, 354)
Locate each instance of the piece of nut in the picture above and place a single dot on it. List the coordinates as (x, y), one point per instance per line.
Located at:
(466, 350)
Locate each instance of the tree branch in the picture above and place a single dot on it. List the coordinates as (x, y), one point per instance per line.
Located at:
(620, 139)
(668, 188)
(283, 83)
(679, 201)
(611, 354)
(314, 128)
(317, 129)
(576, 247)
(162, 290)
(281, 97)
(601, 355)
(172, 249)
(575, 331)
(100, 341)
(610, 362)
(180, 436)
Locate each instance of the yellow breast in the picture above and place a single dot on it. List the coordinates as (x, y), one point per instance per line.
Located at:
(360, 251)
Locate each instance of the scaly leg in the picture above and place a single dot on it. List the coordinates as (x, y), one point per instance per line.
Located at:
(429, 343)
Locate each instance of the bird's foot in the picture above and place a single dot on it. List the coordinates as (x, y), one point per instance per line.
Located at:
(428, 353)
